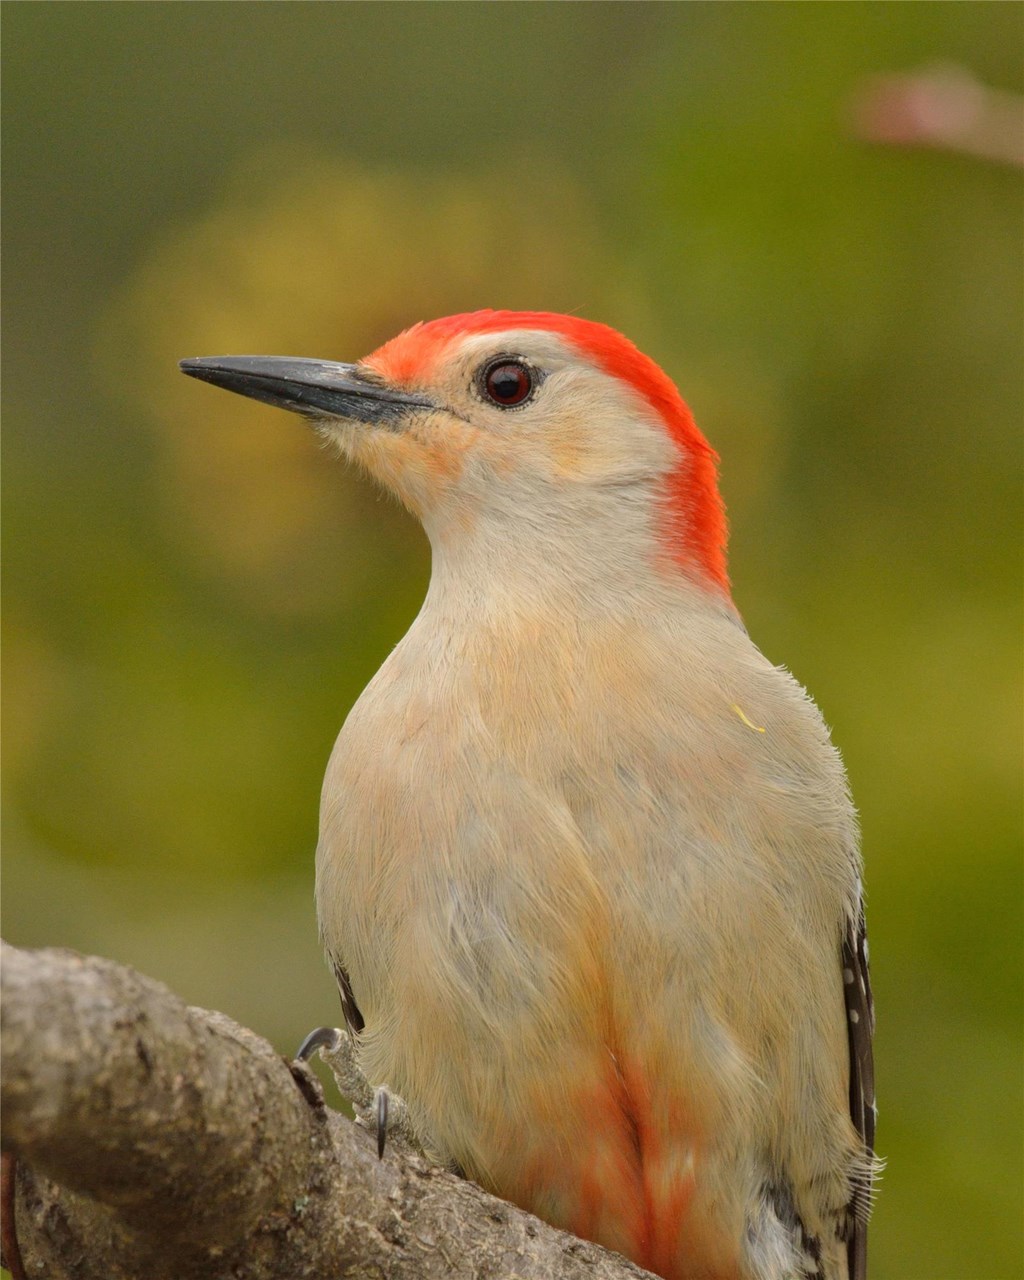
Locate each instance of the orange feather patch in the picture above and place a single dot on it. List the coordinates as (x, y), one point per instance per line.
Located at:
(629, 1179)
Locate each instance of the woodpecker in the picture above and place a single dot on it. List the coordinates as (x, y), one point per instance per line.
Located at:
(588, 870)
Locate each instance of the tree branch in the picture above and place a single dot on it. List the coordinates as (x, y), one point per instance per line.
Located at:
(163, 1141)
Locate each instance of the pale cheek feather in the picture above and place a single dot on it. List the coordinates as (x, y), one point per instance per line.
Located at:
(421, 463)
(446, 470)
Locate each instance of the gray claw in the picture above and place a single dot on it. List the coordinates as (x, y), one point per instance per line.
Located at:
(320, 1038)
(377, 1109)
(382, 1121)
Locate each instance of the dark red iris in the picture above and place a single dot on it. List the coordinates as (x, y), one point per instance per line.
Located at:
(508, 383)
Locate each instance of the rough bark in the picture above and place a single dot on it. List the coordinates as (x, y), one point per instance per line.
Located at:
(154, 1140)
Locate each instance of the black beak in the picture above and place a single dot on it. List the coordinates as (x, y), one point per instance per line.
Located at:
(316, 388)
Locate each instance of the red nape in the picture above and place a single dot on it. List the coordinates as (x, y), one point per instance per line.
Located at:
(696, 506)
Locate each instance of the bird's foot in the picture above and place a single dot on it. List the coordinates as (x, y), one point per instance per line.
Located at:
(377, 1109)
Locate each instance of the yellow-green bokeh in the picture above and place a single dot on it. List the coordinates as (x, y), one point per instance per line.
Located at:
(195, 594)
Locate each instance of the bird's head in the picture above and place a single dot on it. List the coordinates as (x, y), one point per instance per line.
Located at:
(537, 432)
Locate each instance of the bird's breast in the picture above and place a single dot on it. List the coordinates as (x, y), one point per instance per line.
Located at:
(542, 850)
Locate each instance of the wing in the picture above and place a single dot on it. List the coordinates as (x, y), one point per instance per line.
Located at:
(852, 1221)
(860, 1012)
(353, 1018)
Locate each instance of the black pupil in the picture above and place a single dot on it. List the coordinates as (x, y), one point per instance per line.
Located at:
(508, 383)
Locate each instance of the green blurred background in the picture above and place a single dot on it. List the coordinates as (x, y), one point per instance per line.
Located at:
(195, 594)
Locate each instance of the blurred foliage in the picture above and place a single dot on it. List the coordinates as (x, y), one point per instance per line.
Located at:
(332, 263)
(195, 594)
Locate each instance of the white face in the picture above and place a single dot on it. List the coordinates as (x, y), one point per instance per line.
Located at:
(575, 429)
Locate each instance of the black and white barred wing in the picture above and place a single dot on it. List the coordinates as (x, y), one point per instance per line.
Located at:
(860, 1014)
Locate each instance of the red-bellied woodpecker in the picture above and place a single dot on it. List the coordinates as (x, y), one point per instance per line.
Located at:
(588, 869)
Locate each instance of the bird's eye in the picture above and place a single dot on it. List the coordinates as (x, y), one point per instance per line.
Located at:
(507, 382)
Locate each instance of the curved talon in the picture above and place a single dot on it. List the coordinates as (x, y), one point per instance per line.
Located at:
(319, 1038)
(382, 1121)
